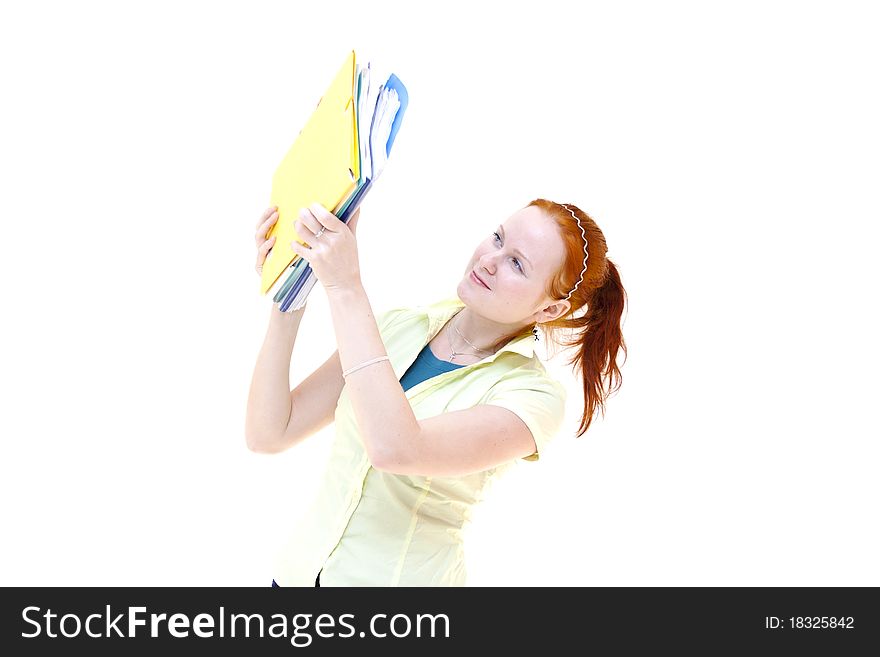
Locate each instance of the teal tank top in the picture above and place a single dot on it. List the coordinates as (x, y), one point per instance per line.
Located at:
(424, 367)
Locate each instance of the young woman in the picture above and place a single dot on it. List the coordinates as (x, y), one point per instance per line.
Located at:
(431, 403)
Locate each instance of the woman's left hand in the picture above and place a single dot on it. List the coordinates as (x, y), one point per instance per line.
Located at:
(333, 253)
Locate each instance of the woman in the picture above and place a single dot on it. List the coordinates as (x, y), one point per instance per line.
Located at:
(431, 403)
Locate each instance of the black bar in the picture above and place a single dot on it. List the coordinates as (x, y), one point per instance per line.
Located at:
(570, 620)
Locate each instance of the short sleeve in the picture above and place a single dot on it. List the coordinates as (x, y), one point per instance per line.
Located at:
(538, 400)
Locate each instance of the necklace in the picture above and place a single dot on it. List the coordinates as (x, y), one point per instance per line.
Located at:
(462, 353)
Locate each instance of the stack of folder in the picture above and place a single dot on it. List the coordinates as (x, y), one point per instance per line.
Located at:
(334, 161)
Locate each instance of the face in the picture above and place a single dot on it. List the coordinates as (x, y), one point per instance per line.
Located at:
(515, 261)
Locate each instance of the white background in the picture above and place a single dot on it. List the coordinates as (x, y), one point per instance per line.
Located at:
(729, 153)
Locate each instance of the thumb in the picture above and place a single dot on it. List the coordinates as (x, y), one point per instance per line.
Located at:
(352, 223)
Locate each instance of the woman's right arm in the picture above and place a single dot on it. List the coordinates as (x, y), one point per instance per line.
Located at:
(277, 417)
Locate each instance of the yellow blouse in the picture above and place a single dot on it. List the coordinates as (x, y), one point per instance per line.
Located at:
(373, 528)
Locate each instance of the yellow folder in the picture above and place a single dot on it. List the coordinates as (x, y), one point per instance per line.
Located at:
(322, 166)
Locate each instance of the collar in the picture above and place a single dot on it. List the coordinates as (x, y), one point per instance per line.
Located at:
(439, 313)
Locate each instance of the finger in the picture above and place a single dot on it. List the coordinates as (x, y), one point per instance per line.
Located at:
(263, 252)
(328, 220)
(307, 221)
(266, 214)
(265, 247)
(305, 240)
(300, 250)
(264, 228)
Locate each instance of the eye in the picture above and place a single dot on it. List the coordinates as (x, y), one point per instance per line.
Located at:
(518, 265)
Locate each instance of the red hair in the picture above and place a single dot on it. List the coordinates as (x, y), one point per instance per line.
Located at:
(597, 333)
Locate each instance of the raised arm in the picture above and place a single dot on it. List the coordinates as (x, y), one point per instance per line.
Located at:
(277, 417)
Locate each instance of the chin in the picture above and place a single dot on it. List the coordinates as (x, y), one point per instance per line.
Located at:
(466, 292)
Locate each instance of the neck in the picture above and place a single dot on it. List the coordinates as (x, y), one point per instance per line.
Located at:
(482, 332)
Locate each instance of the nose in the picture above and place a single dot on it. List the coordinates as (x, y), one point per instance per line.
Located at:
(487, 262)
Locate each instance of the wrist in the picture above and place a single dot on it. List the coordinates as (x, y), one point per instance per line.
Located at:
(347, 293)
(286, 318)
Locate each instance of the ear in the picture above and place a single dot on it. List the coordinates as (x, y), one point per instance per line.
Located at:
(554, 311)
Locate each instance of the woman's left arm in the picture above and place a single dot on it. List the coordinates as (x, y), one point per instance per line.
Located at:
(382, 411)
(449, 444)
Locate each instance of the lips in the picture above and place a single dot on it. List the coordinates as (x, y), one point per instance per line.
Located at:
(478, 280)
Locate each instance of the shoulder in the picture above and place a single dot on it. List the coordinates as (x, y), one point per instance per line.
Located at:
(529, 376)
(535, 397)
(402, 316)
(396, 317)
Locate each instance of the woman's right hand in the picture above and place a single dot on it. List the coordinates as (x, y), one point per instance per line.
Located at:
(267, 220)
